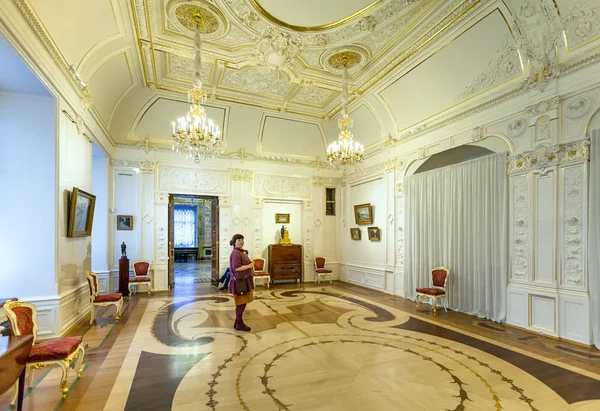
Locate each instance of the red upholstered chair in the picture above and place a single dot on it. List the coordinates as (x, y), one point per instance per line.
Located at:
(58, 352)
(141, 276)
(320, 271)
(102, 300)
(260, 273)
(437, 288)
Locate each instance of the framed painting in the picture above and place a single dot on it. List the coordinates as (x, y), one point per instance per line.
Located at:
(363, 213)
(374, 233)
(81, 213)
(282, 218)
(355, 234)
(124, 222)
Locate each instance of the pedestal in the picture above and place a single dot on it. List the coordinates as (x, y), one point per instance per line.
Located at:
(124, 276)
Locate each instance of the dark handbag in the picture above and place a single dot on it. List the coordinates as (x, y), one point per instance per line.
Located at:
(240, 286)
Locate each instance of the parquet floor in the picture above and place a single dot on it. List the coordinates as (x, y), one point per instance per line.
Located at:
(334, 347)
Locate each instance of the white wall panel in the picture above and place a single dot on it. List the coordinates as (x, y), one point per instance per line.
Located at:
(543, 313)
(517, 307)
(574, 317)
(146, 220)
(545, 228)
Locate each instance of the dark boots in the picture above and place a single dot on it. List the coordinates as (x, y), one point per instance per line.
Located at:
(240, 326)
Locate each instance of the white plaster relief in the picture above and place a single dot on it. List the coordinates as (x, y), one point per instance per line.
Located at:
(281, 187)
(505, 66)
(188, 180)
(581, 24)
(400, 230)
(257, 231)
(573, 264)
(577, 108)
(521, 224)
(240, 174)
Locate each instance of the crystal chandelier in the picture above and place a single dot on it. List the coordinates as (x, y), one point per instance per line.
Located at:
(195, 135)
(345, 151)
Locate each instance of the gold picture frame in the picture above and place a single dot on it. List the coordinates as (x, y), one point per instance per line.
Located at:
(281, 218)
(124, 222)
(355, 234)
(363, 214)
(81, 213)
(374, 233)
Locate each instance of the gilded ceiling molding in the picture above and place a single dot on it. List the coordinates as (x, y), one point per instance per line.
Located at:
(544, 158)
(263, 12)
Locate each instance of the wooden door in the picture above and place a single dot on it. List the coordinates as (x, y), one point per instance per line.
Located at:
(171, 243)
(214, 218)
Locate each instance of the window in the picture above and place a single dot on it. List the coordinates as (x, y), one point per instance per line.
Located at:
(185, 220)
(330, 201)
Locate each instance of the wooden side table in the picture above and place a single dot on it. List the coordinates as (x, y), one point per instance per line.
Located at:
(14, 351)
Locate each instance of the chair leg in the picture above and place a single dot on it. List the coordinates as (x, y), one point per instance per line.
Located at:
(63, 381)
(118, 313)
(149, 289)
(417, 300)
(30, 373)
(78, 366)
(268, 282)
(13, 398)
(434, 305)
(92, 314)
(446, 304)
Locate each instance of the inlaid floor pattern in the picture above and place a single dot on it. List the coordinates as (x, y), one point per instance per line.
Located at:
(318, 348)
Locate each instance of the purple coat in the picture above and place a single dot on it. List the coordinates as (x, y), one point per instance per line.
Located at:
(237, 259)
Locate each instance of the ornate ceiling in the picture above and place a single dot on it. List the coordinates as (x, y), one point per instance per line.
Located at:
(272, 68)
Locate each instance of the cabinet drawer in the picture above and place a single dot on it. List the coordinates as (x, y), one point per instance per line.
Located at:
(286, 266)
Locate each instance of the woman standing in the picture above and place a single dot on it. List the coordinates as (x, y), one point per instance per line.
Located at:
(240, 267)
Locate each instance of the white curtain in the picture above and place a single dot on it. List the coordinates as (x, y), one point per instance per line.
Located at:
(457, 217)
(594, 239)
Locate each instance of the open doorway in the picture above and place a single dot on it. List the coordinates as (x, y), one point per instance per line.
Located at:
(193, 240)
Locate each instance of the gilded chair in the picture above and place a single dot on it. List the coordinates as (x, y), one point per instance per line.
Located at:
(260, 274)
(320, 271)
(437, 288)
(59, 352)
(141, 270)
(102, 300)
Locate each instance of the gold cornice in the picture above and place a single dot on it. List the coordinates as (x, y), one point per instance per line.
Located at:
(322, 27)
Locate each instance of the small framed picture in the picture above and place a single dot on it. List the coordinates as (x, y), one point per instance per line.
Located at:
(374, 233)
(124, 222)
(282, 218)
(363, 214)
(355, 234)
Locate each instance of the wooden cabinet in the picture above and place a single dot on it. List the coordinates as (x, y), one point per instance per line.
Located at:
(285, 262)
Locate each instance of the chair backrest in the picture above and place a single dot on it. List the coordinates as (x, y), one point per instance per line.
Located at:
(92, 280)
(259, 264)
(22, 317)
(439, 277)
(141, 268)
(320, 262)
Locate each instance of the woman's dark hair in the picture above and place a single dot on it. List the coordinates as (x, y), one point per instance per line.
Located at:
(235, 238)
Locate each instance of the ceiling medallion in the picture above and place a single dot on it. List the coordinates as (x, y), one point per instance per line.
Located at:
(345, 60)
(277, 49)
(189, 14)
